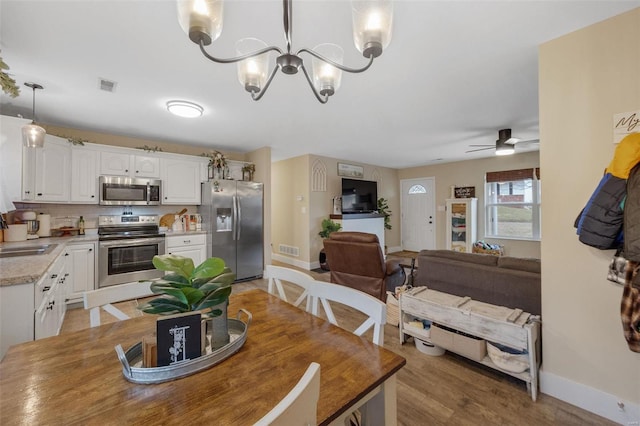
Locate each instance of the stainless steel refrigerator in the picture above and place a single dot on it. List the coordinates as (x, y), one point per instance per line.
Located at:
(232, 216)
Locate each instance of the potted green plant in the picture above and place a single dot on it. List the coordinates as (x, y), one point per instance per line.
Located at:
(205, 288)
(328, 226)
(383, 208)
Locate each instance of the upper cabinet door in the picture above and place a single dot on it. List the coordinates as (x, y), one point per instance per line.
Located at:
(146, 166)
(84, 175)
(180, 181)
(118, 164)
(114, 164)
(52, 173)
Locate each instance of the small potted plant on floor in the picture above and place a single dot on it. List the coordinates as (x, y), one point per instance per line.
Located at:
(328, 226)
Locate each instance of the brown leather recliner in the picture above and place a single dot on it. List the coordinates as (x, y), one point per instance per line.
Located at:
(355, 260)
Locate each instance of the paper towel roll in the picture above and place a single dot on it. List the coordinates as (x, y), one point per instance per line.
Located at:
(45, 225)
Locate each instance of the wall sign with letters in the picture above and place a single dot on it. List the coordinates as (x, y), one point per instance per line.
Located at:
(464, 192)
(625, 123)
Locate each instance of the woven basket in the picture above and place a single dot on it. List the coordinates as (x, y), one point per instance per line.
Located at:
(393, 310)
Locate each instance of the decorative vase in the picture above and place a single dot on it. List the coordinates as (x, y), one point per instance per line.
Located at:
(218, 173)
(219, 327)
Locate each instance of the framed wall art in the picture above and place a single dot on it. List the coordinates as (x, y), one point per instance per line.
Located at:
(350, 170)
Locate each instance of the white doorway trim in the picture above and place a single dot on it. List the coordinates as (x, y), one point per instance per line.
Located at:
(418, 218)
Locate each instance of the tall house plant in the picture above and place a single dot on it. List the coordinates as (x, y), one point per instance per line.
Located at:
(383, 208)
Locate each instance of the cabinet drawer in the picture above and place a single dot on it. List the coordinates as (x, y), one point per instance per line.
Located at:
(186, 240)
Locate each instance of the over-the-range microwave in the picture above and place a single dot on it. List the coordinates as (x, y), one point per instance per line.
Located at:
(126, 191)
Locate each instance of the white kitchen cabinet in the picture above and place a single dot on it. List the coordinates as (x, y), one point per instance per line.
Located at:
(181, 180)
(131, 165)
(46, 171)
(80, 265)
(50, 294)
(84, 175)
(16, 315)
(193, 246)
(10, 161)
(461, 223)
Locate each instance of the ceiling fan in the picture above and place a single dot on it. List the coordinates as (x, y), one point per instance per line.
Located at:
(505, 145)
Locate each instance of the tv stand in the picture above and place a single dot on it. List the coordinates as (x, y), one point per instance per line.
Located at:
(372, 223)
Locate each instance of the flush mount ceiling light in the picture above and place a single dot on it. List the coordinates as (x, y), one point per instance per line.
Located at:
(184, 109)
(32, 134)
(372, 22)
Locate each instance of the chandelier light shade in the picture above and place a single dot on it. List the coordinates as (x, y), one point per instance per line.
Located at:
(32, 134)
(202, 21)
(184, 109)
(372, 25)
(326, 77)
(253, 71)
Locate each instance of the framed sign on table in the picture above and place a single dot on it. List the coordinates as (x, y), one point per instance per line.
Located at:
(350, 170)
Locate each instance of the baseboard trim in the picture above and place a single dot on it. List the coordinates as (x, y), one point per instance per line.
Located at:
(394, 249)
(294, 262)
(590, 399)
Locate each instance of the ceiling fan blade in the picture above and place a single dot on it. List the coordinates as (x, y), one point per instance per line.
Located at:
(484, 145)
(529, 141)
(480, 149)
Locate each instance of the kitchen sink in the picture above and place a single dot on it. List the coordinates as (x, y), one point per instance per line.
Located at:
(26, 250)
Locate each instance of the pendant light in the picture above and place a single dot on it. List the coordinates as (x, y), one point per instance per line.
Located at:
(32, 134)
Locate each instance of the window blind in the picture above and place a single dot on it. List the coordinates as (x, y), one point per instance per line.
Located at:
(511, 175)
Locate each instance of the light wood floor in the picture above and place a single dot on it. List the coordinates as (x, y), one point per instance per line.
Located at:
(445, 390)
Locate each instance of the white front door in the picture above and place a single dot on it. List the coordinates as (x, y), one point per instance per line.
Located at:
(418, 214)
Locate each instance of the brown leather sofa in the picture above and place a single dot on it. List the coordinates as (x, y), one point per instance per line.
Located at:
(355, 260)
(500, 280)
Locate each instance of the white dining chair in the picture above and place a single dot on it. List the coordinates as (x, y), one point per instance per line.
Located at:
(104, 297)
(376, 311)
(368, 410)
(299, 407)
(277, 274)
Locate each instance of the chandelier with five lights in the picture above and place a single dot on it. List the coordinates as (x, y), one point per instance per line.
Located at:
(372, 22)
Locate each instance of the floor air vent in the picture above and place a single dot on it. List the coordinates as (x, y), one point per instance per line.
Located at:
(290, 250)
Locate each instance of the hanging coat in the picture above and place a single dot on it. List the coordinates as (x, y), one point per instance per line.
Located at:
(632, 216)
(630, 307)
(600, 222)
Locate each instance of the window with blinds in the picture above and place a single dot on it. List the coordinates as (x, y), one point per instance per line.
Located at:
(512, 204)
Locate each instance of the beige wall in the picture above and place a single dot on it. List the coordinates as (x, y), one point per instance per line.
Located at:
(471, 173)
(585, 78)
(292, 178)
(289, 223)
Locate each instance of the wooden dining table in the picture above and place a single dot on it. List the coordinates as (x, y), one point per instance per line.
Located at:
(76, 378)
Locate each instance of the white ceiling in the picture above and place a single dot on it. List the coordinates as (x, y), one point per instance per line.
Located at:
(454, 74)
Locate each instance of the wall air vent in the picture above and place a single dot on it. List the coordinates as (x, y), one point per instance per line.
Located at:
(107, 85)
(290, 250)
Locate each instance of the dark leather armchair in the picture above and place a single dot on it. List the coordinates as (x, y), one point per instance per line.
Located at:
(355, 260)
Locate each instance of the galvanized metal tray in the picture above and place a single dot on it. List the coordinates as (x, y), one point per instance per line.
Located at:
(132, 359)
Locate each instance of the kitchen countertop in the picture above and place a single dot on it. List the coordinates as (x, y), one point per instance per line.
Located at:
(29, 269)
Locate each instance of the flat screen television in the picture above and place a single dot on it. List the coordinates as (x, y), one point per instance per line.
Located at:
(359, 196)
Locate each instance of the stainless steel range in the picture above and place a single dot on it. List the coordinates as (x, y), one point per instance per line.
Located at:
(126, 248)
